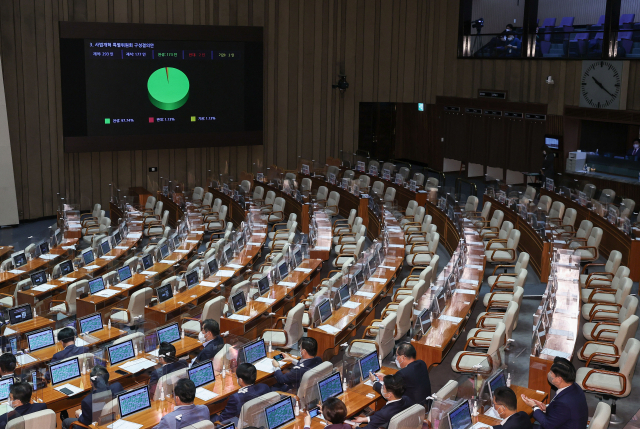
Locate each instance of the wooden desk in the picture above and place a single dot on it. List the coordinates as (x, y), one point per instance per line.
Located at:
(163, 312)
(235, 211)
(284, 299)
(30, 325)
(347, 320)
(175, 213)
(440, 338)
(403, 195)
(5, 252)
(530, 241)
(291, 206)
(612, 237)
(324, 240)
(94, 303)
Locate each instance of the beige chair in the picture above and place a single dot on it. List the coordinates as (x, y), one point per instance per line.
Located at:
(498, 239)
(211, 310)
(419, 179)
(604, 282)
(567, 224)
(590, 251)
(291, 331)
(608, 324)
(389, 197)
(377, 188)
(423, 274)
(149, 205)
(134, 313)
(343, 258)
(12, 300)
(197, 195)
(432, 182)
(419, 241)
(486, 325)
(409, 212)
(204, 424)
(501, 299)
(403, 314)
(258, 195)
(277, 212)
(416, 291)
(348, 174)
(471, 205)
(479, 219)
(389, 166)
(383, 342)
(606, 299)
(347, 242)
(404, 172)
(344, 225)
(601, 278)
(307, 389)
(322, 194)
(589, 190)
(281, 228)
(217, 224)
(507, 254)
(331, 207)
(607, 196)
(529, 193)
(414, 224)
(505, 279)
(554, 218)
(576, 238)
(45, 419)
(544, 204)
(474, 361)
(252, 412)
(604, 352)
(322, 291)
(68, 306)
(364, 182)
(448, 391)
(424, 257)
(410, 418)
(281, 239)
(245, 185)
(267, 204)
(375, 164)
(626, 207)
(600, 419)
(207, 202)
(94, 215)
(91, 221)
(493, 227)
(155, 216)
(95, 233)
(157, 228)
(612, 384)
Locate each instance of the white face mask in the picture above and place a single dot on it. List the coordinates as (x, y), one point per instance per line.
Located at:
(201, 337)
(398, 363)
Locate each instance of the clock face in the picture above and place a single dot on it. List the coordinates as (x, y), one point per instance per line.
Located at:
(601, 84)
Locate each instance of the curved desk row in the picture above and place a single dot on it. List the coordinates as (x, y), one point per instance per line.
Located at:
(291, 206)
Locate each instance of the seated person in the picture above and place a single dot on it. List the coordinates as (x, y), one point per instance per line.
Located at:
(505, 402)
(185, 413)
(211, 340)
(8, 363)
(334, 411)
(414, 373)
(392, 390)
(99, 377)
(308, 360)
(67, 336)
(169, 362)
(247, 375)
(20, 401)
(635, 150)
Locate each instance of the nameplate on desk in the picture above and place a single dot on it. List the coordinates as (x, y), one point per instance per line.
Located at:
(106, 293)
(108, 258)
(465, 291)
(16, 271)
(288, 284)
(48, 256)
(134, 235)
(351, 304)
(45, 287)
(377, 280)
(91, 267)
(562, 333)
(66, 279)
(225, 273)
(468, 281)
(266, 300)
(451, 319)
(329, 329)
(238, 317)
(476, 267)
(555, 353)
(122, 247)
(321, 248)
(303, 270)
(168, 261)
(209, 284)
(204, 394)
(235, 266)
(191, 241)
(365, 294)
(182, 251)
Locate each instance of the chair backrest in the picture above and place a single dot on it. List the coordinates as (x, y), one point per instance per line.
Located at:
(389, 166)
(271, 196)
(509, 319)
(151, 202)
(278, 204)
(404, 172)
(138, 301)
(323, 191)
(158, 210)
(246, 186)
(292, 176)
(418, 214)
(628, 361)
(204, 424)
(22, 285)
(45, 419)
(607, 196)
(359, 246)
(448, 391)
(625, 289)
(589, 190)
(419, 178)
(514, 239)
(522, 263)
(217, 203)
(472, 204)
(305, 185)
(421, 287)
(411, 418)
(390, 194)
(96, 210)
(403, 317)
(426, 275)
(70, 298)
(613, 262)
(306, 390)
(433, 243)
(293, 324)
(133, 336)
(584, 230)
(569, 217)
(530, 193)
(352, 217)
(377, 188)
(333, 169)
(434, 263)
(258, 193)
(334, 199)
(375, 164)
(595, 237)
(385, 338)
(198, 192)
(426, 223)
(348, 174)
(601, 417)
(545, 203)
(496, 219)
(486, 208)
(364, 181)
(518, 294)
(629, 307)
(7, 264)
(557, 210)
(497, 339)
(213, 309)
(222, 213)
(432, 182)
(627, 330)
(505, 230)
(252, 413)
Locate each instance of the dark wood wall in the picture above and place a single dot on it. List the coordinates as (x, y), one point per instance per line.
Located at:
(381, 45)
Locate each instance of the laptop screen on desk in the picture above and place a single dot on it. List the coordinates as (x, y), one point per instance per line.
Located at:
(238, 301)
(164, 292)
(168, 333)
(297, 257)
(263, 285)
(283, 270)
(121, 352)
(133, 401)
(213, 266)
(325, 310)
(19, 259)
(124, 273)
(20, 314)
(192, 278)
(460, 416)
(44, 248)
(229, 253)
(369, 363)
(39, 278)
(344, 293)
(105, 247)
(117, 237)
(255, 351)
(66, 267)
(96, 285)
(40, 339)
(5, 385)
(280, 413)
(202, 374)
(147, 262)
(65, 370)
(330, 386)
(90, 323)
(164, 251)
(497, 380)
(88, 257)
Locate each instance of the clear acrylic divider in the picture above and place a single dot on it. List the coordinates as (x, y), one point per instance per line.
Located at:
(314, 313)
(104, 405)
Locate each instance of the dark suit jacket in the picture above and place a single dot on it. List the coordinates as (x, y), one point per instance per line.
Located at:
(383, 417)
(86, 418)
(210, 350)
(69, 351)
(237, 400)
(567, 410)
(519, 420)
(416, 381)
(292, 377)
(630, 152)
(164, 370)
(22, 410)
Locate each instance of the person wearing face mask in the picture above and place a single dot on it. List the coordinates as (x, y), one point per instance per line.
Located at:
(505, 402)
(393, 391)
(308, 360)
(211, 340)
(414, 372)
(634, 152)
(20, 401)
(247, 375)
(547, 169)
(167, 358)
(568, 409)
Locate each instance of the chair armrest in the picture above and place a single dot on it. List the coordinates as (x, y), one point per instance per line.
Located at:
(495, 240)
(486, 316)
(278, 211)
(412, 270)
(584, 240)
(595, 310)
(282, 331)
(122, 309)
(55, 302)
(600, 390)
(368, 328)
(419, 253)
(501, 266)
(506, 249)
(346, 234)
(273, 227)
(466, 353)
(9, 296)
(597, 358)
(279, 319)
(502, 304)
(595, 334)
(600, 291)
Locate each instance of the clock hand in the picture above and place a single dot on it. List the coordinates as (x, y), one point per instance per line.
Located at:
(167, 69)
(601, 86)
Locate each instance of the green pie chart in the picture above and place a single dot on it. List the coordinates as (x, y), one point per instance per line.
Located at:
(168, 88)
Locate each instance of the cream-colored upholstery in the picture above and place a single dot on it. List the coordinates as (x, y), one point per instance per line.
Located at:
(415, 292)
(409, 212)
(258, 195)
(281, 239)
(45, 419)
(568, 223)
(416, 224)
(479, 220)
(331, 207)
(600, 419)
(467, 361)
(507, 280)
(419, 178)
(341, 226)
(377, 188)
(389, 166)
(11, 301)
(471, 205)
(599, 351)
(252, 412)
(589, 190)
(157, 228)
(135, 337)
(68, 306)
(410, 418)
(403, 318)
(501, 299)
(404, 172)
(389, 197)
(267, 204)
(498, 239)
(291, 332)
(544, 205)
(364, 182)
(432, 182)
(597, 279)
(305, 185)
(218, 224)
(348, 174)
(245, 185)
(507, 254)
(384, 338)
(307, 389)
(581, 235)
(322, 194)
(609, 299)
(343, 258)
(347, 243)
(485, 330)
(198, 194)
(277, 213)
(375, 164)
(207, 201)
(425, 274)
(424, 257)
(281, 228)
(590, 250)
(607, 196)
(448, 391)
(529, 193)
(493, 228)
(554, 218)
(135, 310)
(606, 329)
(626, 207)
(212, 310)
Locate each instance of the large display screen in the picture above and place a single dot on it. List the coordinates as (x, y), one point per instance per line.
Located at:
(137, 86)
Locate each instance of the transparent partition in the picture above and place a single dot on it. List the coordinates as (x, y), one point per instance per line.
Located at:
(104, 405)
(314, 311)
(256, 416)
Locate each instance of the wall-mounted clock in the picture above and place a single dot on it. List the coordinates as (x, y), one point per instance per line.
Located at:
(601, 84)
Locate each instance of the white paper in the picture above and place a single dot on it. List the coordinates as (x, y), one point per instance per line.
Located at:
(106, 293)
(137, 365)
(365, 294)
(468, 292)
(80, 342)
(108, 258)
(209, 284)
(238, 317)
(329, 329)
(123, 285)
(16, 271)
(149, 273)
(124, 424)
(191, 241)
(91, 267)
(48, 256)
(134, 235)
(259, 234)
(67, 279)
(452, 319)
(477, 267)
(351, 304)
(397, 245)
(377, 280)
(562, 332)
(8, 331)
(556, 353)
(168, 261)
(387, 267)
(265, 365)
(254, 244)
(468, 281)
(321, 248)
(491, 412)
(72, 247)
(266, 300)
(43, 288)
(478, 425)
(368, 383)
(197, 232)
(288, 284)
(182, 251)
(25, 359)
(204, 394)
(559, 242)
(71, 387)
(235, 266)
(122, 247)
(303, 270)
(155, 353)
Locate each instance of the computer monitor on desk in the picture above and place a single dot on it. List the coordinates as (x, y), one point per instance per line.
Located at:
(5, 385)
(147, 262)
(39, 278)
(88, 257)
(19, 259)
(64, 371)
(369, 364)
(324, 309)
(168, 333)
(238, 301)
(20, 313)
(96, 285)
(121, 352)
(330, 387)
(192, 278)
(134, 401)
(263, 285)
(213, 266)
(117, 238)
(105, 247)
(164, 251)
(44, 247)
(255, 351)
(90, 323)
(460, 416)
(164, 292)
(202, 374)
(40, 339)
(280, 413)
(124, 273)
(495, 381)
(66, 267)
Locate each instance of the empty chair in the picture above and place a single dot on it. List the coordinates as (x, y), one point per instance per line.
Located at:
(344, 258)
(580, 236)
(507, 280)
(352, 236)
(375, 164)
(474, 361)
(402, 311)
(589, 190)
(279, 242)
(423, 258)
(305, 186)
(377, 188)
(134, 313)
(283, 228)
(345, 225)
(245, 185)
(389, 197)
(333, 169)
(626, 207)
(600, 419)
(419, 179)
(416, 291)
(155, 216)
(277, 212)
(484, 330)
(92, 221)
(157, 228)
(606, 300)
(414, 223)
(529, 194)
(68, 306)
(322, 194)
(12, 300)
(383, 341)
(479, 219)
(331, 207)
(603, 352)
(555, 214)
(389, 166)
(404, 172)
(602, 278)
(432, 182)
(348, 174)
(211, 310)
(498, 238)
(291, 331)
(567, 224)
(149, 205)
(409, 212)
(364, 182)
(94, 215)
(544, 204)
(423, 274)
(258, 195)
(218, 224)
(607, 196)
(197, 195)
(471, 205)
(608, 324)
(589, 251)
(507, 254)
(500, 300)
(347, 243)
(411, 418)
(267, 204)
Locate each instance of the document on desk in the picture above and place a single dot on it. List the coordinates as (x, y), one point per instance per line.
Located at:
(329, 329)
(377, 280)
(123, 285)
(468, 281)
(91, 267)
(124, 424)
(8, 331)
(122, 247)
(25, 359)
(137, 365)
(288, 284)
(225, 273)
(254, 244)
(182, 250)
(72, 247)
(48, 256)
(556, 353)
(16, 271)
(238, 317)
(106, 293)
(265, 365)
(235, 266)
(401, 246)
(168, 261)
(80, 342)
(134, 235)
(466, 291)
(44, 287)
(452, 319)
(67, 279)
(68, 389)
(562, 332)
(303, 270)
(191, 241)
(478, 425)
(351, 304)
(365, 294)
(108, 258)
(149, 273)
(209, 284)
(477, 267)
(266, 300)
(204, 394)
